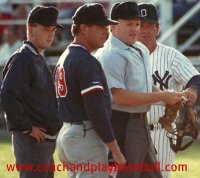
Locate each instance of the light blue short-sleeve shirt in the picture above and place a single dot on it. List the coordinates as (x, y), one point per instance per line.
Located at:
(126, 67)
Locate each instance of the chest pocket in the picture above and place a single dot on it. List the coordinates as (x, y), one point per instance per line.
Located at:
(40, 75)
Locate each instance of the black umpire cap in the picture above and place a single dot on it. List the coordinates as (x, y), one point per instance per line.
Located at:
(92, 14)
(125, 10)
(148, 12)
(45, 16)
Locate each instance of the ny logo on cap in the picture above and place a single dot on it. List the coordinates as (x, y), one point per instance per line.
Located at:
(143, 12)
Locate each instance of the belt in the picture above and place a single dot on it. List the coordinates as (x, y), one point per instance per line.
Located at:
(85, 125)
(151, 127)
(78, 122)
(137, 115)
(155, 126)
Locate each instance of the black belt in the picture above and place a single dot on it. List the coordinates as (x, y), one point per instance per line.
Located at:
(156, 126)
(151, 127)
(50, 140)
(137, 115)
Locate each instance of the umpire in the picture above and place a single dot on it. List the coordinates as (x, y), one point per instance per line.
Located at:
(125, 63)
(28, 96)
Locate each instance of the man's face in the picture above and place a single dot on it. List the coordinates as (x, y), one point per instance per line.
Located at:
(9, 36)
(127, 30)
(148, 33)
(96, 36)
(41, 36)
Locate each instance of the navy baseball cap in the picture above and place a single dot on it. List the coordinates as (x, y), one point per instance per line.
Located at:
(92, 14)
(148, 12)
(45, 16)
(125, 10)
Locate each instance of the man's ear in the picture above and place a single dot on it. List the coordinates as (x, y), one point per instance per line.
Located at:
(83, 28)
(29, 30)
(28, 27)
(158, 30)
(112, 28)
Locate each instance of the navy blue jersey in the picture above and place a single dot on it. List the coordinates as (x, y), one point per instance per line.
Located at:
(82, 90)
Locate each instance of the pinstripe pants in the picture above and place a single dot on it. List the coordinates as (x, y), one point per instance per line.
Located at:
(161, 142)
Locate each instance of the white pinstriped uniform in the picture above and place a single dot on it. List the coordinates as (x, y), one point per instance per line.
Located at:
(170, 70)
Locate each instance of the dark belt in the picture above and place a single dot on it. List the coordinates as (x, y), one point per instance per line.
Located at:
(50, 140)
(76, 123)
(151, 127)
(138, 115)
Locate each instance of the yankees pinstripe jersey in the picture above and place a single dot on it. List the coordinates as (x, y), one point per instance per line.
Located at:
(171, 70)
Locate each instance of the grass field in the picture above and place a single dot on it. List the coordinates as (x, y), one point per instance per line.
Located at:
(190, 157)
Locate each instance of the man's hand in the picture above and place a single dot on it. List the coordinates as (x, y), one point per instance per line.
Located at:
(172, 98)
(116, 153)
(38, 133)
(191, 95)
(119, 158)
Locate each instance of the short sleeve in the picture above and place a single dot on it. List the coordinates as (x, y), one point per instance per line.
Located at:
(114, 67)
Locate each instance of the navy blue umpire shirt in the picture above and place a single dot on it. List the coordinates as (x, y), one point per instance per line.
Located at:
(28, 92)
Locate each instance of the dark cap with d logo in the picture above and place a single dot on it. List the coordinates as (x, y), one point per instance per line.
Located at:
(149, 13)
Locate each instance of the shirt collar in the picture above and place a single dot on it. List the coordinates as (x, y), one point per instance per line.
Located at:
(77, 45)
(31, 47)
(118, 43)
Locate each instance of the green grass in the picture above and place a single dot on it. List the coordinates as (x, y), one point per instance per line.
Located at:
(190, 157)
